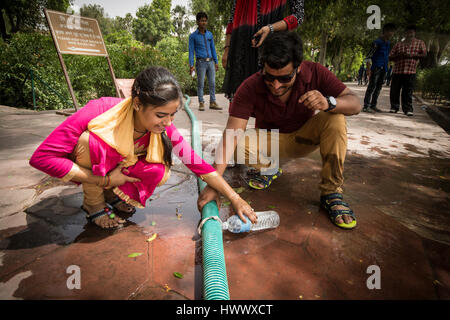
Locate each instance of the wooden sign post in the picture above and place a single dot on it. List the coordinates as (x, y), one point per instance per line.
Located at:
(73, 34)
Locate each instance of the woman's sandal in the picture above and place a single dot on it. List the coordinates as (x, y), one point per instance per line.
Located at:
(333, 199)
(94, 216)
(116, 200)
(265, 180)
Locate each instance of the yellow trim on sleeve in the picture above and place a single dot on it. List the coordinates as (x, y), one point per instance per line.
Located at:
(211, 174)
(73, 171)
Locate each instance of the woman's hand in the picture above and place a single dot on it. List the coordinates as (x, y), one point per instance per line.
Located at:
(263, 33)
(241, 208)
(117, 178)
(225, 58)
(208, 194)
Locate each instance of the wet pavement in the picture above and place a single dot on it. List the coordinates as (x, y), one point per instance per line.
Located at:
(397, 177)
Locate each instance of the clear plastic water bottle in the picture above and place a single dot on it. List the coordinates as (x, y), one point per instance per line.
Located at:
(266, 220)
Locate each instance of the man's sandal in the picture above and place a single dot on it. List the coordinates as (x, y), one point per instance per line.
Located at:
(265, 180)
(94, 216)
(116, 200)
(334, 199)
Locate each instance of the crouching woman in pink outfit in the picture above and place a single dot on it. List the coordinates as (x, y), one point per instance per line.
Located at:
(120, 150)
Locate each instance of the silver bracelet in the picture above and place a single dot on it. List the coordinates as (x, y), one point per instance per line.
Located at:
(271, 28)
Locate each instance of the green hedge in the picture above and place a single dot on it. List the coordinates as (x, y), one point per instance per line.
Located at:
(90, 76)
(434, 83)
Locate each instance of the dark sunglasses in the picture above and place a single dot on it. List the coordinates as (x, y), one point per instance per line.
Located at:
(281, 79)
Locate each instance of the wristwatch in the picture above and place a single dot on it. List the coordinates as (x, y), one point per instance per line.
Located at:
(331, 103)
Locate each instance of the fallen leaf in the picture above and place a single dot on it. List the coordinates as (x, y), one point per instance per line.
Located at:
(239, 190)
(271, 207)
(153, 237)
(178, 275)
(134, 255)
(436, 282)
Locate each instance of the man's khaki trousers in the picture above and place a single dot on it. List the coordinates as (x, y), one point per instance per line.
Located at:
(326, 131)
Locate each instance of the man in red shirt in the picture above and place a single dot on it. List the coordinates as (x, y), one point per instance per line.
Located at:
(307, 104)
(406, 55)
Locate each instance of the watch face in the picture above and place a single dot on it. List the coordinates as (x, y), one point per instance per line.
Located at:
(333, 100)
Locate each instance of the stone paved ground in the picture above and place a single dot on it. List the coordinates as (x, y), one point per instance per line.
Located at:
(397, 181)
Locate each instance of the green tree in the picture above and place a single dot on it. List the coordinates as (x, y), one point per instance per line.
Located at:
(153, 22)
(181, 22)
(26, 15)
(126, 23)
(97, 12)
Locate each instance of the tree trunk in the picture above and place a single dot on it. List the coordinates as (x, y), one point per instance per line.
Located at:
(443, 42)
(3, 26)
(349, 66)
(431, 60)
(13, 23)
(323, 47)
(340, 57)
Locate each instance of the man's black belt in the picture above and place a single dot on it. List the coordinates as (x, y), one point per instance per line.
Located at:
(205, 59)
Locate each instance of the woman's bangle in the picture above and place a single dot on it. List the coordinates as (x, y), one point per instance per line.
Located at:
(108, 178)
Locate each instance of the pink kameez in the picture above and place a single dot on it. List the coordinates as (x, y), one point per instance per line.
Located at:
(52, 156)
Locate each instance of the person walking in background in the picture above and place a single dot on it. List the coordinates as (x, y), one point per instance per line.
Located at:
(406, 55)
(251, 21)
(361, 71)
(201, 43)
(377, 67)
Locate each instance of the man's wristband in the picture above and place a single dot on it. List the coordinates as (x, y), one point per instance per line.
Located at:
(271, 28)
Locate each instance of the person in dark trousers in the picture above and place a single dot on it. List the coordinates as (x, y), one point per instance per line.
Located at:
(389, 76)
(377, 67)
(361, 72)
(201, 43)
(406, 55)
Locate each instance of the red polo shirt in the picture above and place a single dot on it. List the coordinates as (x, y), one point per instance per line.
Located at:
(253, 98)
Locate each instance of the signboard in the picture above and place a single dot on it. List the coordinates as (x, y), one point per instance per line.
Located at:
(76, 35)
(73, 34)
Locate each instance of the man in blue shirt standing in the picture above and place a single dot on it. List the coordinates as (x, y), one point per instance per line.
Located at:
(377, 66)
(201, 43)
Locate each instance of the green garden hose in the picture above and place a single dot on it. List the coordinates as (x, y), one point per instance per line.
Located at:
(215, 283)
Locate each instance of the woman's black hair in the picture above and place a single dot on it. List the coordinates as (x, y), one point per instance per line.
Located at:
(156, 86)
(280, 48)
